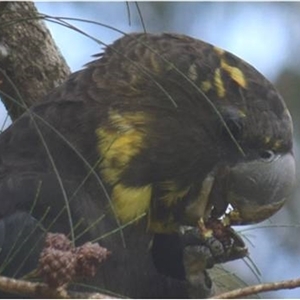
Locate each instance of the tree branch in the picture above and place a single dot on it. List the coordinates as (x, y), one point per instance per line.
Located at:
(30, 62)
(259, 288)
(42, 290)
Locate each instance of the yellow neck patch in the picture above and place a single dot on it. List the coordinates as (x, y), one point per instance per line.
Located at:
(120, 141)
(129, 202)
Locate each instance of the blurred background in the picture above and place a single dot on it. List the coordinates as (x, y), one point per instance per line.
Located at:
(267, 35)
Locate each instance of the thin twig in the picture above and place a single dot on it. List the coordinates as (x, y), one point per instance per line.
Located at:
(259, 288)
(42, 290)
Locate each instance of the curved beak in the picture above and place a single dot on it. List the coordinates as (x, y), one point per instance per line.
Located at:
(257, 189)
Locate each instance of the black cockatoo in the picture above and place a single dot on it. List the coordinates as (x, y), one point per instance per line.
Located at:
(159, 133)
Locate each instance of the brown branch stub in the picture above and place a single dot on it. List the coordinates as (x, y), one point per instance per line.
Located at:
(42, 290)
(259, 288)
(30, 63)
(22, 287)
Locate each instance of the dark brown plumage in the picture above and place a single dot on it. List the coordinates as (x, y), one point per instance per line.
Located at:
(159, 132)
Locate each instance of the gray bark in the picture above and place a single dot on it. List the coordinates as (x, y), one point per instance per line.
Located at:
(30, 62)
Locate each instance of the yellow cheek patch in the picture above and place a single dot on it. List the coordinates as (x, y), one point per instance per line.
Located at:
(192, 72)
(235, 73)
(277, 145)
(219, 51)
(219, 83)
(155, 63)
(130, 203)
(206, 86)
(119, 142)
(267, 140)
(273, 144)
